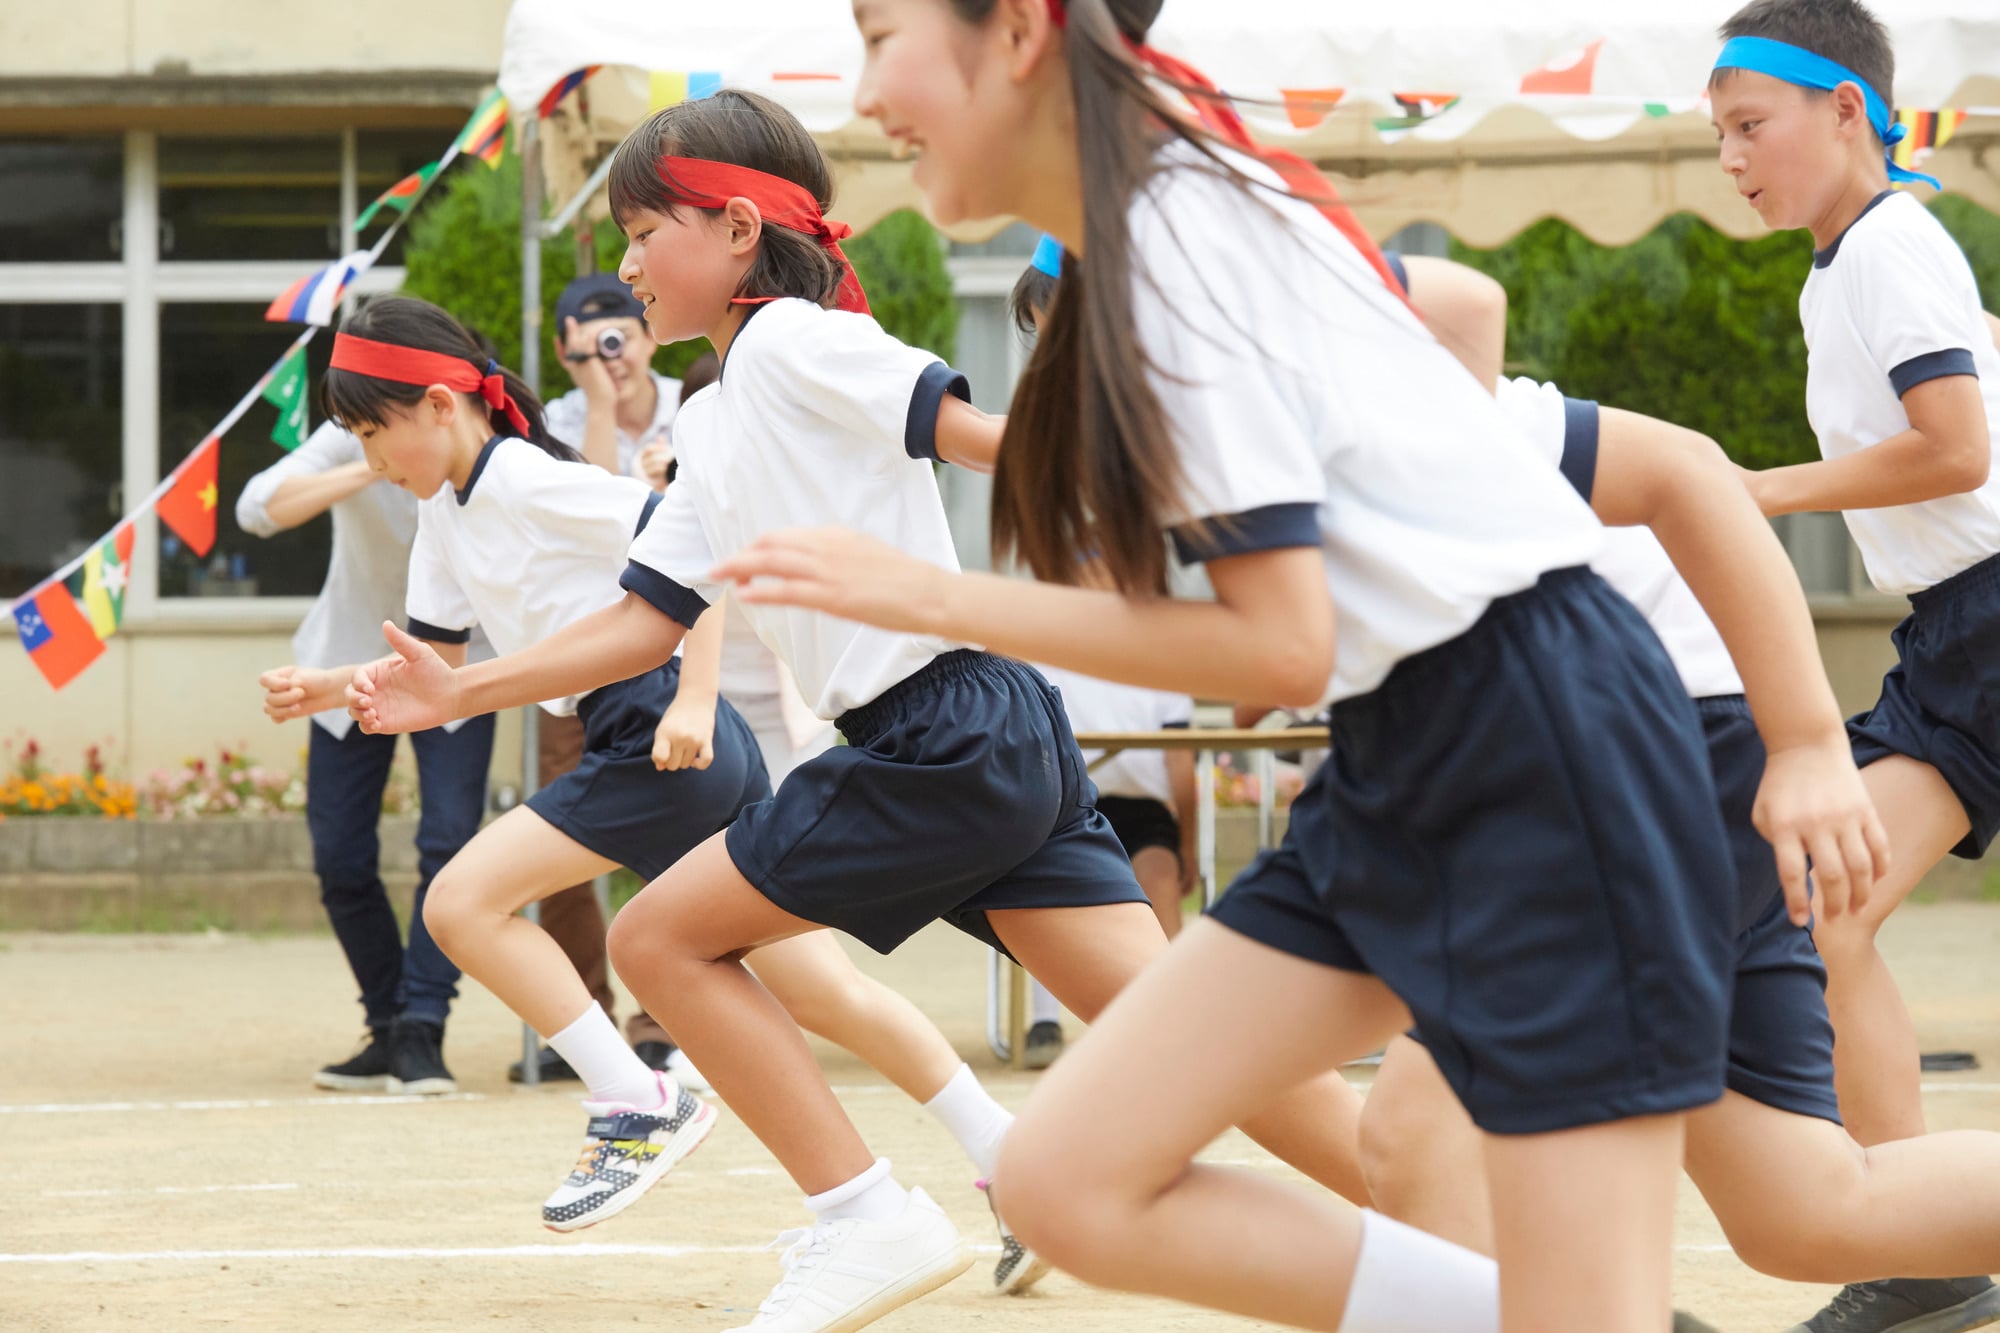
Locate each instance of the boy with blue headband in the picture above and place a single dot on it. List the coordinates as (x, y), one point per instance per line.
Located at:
(1903, 390)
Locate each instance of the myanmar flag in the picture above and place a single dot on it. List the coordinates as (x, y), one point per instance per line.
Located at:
(58, 639)
(100, 585)
(485, 135)
(189, 507)
(400, 195)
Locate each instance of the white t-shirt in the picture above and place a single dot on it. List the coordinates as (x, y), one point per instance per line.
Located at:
(1632, 561)
(1888, 306)
(819, 418)
(529, 547)
(1311, 405)
(568, 415)
(1101, 705)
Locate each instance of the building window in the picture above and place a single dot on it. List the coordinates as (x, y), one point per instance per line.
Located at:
(60, 389)
(210, 354)
(262, 198)
(64, 199)
(383, 157)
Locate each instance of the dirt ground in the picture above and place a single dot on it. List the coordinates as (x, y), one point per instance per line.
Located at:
(165, 1162)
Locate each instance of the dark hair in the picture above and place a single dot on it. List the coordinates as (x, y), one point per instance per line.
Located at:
(745, 130)
(1034, 294)
(1844, 31)
(703, 371)
(350, 397)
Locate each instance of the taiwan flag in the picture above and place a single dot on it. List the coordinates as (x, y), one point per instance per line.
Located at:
(189, 507)
(59, 640)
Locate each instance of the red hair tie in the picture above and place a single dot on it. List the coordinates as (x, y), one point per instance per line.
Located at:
(700, 183)
(1219, 116)
(413, 365)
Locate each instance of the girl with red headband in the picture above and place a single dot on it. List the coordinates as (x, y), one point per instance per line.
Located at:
(513, 538)
(1516, 842)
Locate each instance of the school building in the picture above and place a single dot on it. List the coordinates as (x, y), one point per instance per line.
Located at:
(170, 167)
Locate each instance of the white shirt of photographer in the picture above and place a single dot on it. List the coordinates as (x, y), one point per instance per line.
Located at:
(568, 415)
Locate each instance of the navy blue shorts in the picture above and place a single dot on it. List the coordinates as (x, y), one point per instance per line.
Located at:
(960, 791)
(1941, 701)
(1519, 833)
(618, 805)
(1141, 822)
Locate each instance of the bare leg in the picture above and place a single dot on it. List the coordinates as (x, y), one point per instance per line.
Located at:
(1096, 1174)
(1801, 1200)
(828, 996)
(1584, 1220)
(1875, 1051)
(470, 909)
(1421, 1155)
(678, 946)
(1159, 873)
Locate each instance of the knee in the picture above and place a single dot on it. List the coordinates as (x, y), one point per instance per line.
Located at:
(825, 1008)
(1797, 1248)
(1387, 1142)
(448, 910)
(1055, 1205)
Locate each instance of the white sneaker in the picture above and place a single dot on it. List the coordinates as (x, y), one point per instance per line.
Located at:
(846, 1274)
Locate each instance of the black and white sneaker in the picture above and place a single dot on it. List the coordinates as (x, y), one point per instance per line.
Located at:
(367, 1070)
(625, 1153)
(416, 1059)
(1909, 1305)
(1044, 1044)
(1019, 1267)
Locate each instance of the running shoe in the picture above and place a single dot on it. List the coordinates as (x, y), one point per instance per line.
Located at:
(625, 1152)
(367, 1070)
(1019, 1267)
(1909, 1305)
(843, 1275)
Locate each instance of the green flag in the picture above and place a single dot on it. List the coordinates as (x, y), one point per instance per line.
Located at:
(287, 392)
(400, 195)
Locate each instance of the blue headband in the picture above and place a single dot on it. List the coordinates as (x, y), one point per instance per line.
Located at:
(1048, 256)
(1796, 65)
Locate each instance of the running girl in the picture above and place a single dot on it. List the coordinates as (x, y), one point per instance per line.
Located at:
(1517, 834)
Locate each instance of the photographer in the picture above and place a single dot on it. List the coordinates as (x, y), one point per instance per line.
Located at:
(620, 411)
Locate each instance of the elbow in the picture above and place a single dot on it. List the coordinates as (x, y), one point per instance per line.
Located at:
(1296, 674)
(255, 519)
(1970, 466)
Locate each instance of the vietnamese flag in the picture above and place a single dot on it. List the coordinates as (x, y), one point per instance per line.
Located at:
(189, 507)
(59, 640)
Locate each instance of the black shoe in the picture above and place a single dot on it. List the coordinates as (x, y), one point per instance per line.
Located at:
(1687, 1323)
(367, 1070)
(1044, 1044)
(1947, 1062)
(554, 1069)
(1909, 1305)
(655, 1054)
(416, 1059)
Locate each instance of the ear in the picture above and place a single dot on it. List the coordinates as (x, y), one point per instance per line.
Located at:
(441, 404)
(745, 224)
(1027, 31)
(1850, 110)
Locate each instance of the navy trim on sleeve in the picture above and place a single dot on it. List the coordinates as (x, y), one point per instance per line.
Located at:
(1579, 460)
(420, 630)
(479, 466)
(1824, 258)
(1399, 268)
(646, 514)
(920, 430)
(678, 603)
(1267, 528)
(1932, 366)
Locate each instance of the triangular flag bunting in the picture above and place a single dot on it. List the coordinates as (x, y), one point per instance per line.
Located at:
(189, 507)
(1925, 133)
(399, 196)
(485, 135)
(670, 87)
(1307, 107)
(287, 393)
(566, 85)
(1575, 73)
(100, 585)
(1416, 108)
(314, 298)
(59, 640)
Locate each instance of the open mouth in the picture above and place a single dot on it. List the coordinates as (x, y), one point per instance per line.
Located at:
(1754, 198)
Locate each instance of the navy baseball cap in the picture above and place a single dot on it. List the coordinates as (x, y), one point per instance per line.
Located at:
(597, 296)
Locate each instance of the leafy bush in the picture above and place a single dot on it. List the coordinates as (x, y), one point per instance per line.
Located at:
(1686, 324)
(900, 262)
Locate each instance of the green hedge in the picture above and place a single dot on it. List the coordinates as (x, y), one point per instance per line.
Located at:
(1685, 324)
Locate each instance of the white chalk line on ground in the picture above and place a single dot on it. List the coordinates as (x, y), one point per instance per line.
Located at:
(585, 1251)
(167, 1189)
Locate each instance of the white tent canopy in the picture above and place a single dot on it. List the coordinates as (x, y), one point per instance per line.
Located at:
(1610, 135)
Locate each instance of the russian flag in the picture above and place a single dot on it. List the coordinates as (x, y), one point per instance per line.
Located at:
(311, 300)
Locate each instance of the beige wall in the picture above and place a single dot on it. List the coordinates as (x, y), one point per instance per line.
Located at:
(224, 38)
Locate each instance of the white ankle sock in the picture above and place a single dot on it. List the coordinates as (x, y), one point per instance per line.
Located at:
(1409, 1281)
(872, 1196)
(1042, 1006)
(969, 1113)
(605, 1063)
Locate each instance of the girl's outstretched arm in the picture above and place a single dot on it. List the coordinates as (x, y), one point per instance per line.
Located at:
(416, 689)
(685, 736)
(1267, 636)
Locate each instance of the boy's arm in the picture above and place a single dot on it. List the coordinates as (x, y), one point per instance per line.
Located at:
(1947, 451)
(967, 436)
(1465, 310)
(298, 691)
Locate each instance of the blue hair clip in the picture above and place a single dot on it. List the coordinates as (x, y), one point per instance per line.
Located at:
(1807, 69)
(1048, 256)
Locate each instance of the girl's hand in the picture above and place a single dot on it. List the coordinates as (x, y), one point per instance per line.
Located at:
(841, 572)
(685, 737)
(413, 691)
(1812, 804)
(298, 691)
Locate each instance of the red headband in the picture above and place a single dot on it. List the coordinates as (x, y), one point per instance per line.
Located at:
(413, 365)
(701, 183)
(1218, 115)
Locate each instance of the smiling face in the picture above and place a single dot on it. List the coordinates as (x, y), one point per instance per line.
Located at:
(413, 446)
(1789, 150)
(684, 267)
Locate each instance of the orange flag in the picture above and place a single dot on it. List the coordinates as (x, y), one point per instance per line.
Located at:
(189, 507)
